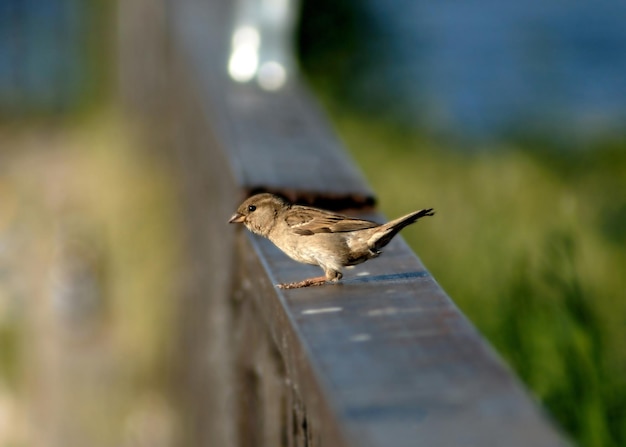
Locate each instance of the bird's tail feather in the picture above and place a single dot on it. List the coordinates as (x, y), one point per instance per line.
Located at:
(387, 231)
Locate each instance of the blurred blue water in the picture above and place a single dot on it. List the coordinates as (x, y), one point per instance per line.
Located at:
(479, 67)
(43, 63)
(474, 67)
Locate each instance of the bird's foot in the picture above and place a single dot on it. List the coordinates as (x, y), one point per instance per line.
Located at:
(317, 281)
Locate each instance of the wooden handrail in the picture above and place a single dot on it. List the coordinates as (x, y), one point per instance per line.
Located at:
(382, 359)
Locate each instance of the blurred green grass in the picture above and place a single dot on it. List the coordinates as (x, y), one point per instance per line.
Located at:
(529, 242)
(89, 256)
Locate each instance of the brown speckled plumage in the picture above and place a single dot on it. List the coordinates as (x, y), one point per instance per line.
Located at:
(314, 236)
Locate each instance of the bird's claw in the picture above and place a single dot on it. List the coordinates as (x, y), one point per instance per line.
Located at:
(304, 283)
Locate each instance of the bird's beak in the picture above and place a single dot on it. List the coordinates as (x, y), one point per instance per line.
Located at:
(237, 218)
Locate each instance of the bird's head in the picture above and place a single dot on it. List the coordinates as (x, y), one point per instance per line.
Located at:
(259, 212)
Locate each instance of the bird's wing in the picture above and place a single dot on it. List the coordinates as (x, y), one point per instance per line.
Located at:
(307, 221)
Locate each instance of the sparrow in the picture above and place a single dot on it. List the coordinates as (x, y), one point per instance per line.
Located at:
(315, 236)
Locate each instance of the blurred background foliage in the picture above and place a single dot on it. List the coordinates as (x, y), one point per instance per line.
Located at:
(526, 168)
(88, 267)
(89, 240)
(88, 258)
(530, 232)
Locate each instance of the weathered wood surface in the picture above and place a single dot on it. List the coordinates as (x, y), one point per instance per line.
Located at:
(391, 357)
(382, 359)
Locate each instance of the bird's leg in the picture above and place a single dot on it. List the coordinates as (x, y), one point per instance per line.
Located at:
(317, 281)
(331, 275)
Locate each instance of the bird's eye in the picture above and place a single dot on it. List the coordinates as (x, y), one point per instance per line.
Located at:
(251, 208)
